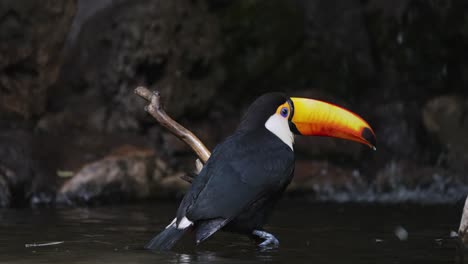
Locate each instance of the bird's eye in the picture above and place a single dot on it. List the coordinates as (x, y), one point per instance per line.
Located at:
(284, 112)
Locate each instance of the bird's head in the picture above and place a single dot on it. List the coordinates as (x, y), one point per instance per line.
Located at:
(285, 116)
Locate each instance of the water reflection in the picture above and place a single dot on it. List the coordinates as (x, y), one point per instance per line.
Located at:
(184, 258)
(203, 256)
(309, 233)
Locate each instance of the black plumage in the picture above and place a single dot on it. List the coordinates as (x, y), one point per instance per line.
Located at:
(242, 180)
(247, 173)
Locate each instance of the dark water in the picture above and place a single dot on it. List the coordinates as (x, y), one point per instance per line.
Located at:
(308, 232)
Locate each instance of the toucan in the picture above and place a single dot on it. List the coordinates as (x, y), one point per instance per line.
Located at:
(248, 172)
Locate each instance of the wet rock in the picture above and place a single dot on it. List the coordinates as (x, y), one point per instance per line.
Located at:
(397, 127)
(398, 182)
(414, 54)
(32, 34)
(168, 45)
(407, 175)
(325, 180)
(23, 180)
(403, 181)
(210, 58)
(5, 195)
(85, 10)
(128, 173)
(258, 36)
(446, 117)
(336, 50)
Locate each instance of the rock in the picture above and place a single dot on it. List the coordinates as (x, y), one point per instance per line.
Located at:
(124, 174)
(407, 175)
(168, 45)
(324, 179)
(413, 61)
(446, 117)
(258, 37)
(398, 125)
(400, 136)
(128, 173)
(5, 194)
(399, 181)
(407, 181)
(23, 180)
(210, 59)
(32, 34)
(337, 50)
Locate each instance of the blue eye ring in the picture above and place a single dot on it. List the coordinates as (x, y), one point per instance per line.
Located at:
(284, 112)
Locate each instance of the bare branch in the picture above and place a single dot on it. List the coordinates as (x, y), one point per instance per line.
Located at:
(188, 177)
(198, 166)
(155, 108)
(463, 229)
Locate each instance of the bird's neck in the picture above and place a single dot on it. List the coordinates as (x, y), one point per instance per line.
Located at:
(279, 126)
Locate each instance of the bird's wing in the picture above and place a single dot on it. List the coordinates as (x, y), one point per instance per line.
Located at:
(241, 170)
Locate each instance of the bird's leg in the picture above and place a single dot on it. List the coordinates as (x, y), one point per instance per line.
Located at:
(269, 239)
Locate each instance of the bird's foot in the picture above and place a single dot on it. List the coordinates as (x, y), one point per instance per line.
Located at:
(270, 240)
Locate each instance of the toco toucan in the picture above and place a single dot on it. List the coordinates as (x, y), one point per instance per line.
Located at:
(248, 172)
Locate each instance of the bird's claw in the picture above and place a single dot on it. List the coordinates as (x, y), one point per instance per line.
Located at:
(270, 241)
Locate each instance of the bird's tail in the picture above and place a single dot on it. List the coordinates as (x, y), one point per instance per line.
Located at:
(166, 239)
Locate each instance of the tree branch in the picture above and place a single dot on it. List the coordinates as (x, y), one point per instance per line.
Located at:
(155, 108)
(463, 229)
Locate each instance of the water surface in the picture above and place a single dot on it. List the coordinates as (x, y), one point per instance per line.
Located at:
(308, 232)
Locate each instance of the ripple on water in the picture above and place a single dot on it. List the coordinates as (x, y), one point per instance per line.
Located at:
(308, 233)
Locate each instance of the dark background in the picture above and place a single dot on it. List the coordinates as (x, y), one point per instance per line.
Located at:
(72, 131)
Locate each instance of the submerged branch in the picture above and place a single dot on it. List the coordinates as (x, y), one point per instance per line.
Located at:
(44, 244)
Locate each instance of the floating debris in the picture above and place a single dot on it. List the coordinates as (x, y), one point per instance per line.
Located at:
(439, 241)
(453, 234)
(65, 173)
(44, 244)
(401, 233)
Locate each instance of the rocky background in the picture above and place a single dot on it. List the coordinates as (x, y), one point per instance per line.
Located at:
(73, 132)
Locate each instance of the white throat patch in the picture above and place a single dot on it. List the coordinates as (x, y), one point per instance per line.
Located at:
(279, 126)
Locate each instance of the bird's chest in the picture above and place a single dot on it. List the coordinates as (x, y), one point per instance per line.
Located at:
(264, 161)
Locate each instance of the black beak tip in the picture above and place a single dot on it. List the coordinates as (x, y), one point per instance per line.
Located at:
(369, 136)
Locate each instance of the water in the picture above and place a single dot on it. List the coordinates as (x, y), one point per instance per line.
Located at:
(308, 232)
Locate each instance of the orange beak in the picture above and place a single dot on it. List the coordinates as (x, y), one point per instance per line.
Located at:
(316, 118)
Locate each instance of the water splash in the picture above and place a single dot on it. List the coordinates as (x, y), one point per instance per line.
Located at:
(441, 190)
